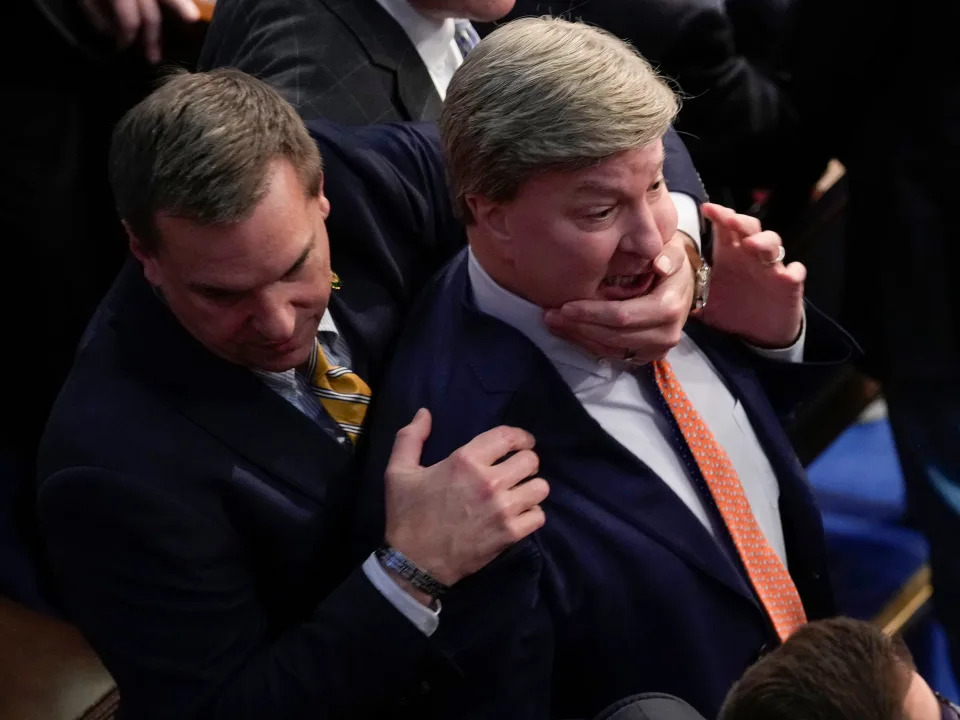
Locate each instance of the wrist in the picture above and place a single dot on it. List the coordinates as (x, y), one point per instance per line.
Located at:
(693, 253)
(413, 577)
(419, 595)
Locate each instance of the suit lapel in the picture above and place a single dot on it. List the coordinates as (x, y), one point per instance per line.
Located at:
(226, 400)
(388, 46)
(567, 436)
(613, 476)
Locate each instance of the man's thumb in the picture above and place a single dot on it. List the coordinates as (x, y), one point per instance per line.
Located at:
(408, 446)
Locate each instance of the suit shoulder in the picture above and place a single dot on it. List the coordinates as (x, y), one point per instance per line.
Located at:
(404, 146)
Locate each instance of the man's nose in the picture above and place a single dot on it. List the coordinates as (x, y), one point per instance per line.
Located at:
(643, 236)
(276, 318)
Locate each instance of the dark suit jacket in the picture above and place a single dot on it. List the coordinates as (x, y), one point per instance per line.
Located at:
(343, 60)
(623, 590)
(196, 521)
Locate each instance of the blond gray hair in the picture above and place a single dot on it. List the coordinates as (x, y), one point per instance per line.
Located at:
(201, 147)
(541, 93)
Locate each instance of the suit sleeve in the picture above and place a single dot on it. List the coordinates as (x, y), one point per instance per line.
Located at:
(678, 168)
(166, 597)
(828, 350)
(400, 168)
(260, 38)
(495, 627)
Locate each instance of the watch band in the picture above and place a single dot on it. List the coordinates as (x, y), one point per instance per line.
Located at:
(399, 563)
(701, 288)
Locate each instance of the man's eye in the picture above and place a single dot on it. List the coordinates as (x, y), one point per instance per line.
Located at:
(601, 214)
(657, 185)
(221, 297)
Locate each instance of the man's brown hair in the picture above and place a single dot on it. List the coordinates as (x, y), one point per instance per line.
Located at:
(839, 669)
(200, 147)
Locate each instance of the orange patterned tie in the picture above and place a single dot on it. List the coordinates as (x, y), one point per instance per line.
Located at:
(767, 573)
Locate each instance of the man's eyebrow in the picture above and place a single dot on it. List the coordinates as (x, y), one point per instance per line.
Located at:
(597, 187)
(298, 263)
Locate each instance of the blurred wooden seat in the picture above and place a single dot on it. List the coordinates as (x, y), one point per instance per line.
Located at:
(47, 670)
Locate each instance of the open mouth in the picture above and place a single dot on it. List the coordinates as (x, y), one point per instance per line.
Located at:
(620, 287)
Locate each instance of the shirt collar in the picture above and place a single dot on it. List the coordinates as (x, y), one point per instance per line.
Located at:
(327, 326)
(432, 37)
(526, 317)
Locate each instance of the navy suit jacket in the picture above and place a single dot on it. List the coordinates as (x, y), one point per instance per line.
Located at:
(623, 591)
(197, 523)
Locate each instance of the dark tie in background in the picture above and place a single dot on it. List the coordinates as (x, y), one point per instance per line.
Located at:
(465, 36)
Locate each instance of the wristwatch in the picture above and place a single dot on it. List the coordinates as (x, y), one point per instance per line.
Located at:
(392, 559)
(701, 286)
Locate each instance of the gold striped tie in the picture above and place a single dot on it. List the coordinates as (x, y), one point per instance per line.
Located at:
(343, 393)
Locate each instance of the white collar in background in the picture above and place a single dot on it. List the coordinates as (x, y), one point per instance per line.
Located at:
(432, 38)
(526, 317)
(327, 325)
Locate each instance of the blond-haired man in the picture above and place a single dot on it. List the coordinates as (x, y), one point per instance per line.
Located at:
(681, 537)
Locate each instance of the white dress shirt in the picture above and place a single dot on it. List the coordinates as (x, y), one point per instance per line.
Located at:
(433, 39)
(437, 48)
(630, 413)
(295, 390)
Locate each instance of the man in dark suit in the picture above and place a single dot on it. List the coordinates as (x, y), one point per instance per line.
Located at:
(352, 61)
(681, 537)
(196, 475)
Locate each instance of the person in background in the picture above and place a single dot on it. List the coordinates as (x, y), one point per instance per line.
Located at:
(71, 84)
(837, 669)
(682, 537)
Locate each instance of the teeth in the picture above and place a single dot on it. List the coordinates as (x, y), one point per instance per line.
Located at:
(621, 280)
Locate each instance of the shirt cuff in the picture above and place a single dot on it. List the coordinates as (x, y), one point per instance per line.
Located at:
(688, 217)
(792, 354)
(426, 619)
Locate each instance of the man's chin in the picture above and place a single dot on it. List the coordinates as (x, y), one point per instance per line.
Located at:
(280, 360)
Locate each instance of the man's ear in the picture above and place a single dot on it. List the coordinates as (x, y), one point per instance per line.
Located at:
(151, 269)
(324, 203)
(491, 220)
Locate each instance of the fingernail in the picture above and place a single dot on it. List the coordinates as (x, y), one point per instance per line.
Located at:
(663, 264)
(553, 317)
(419, 414)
